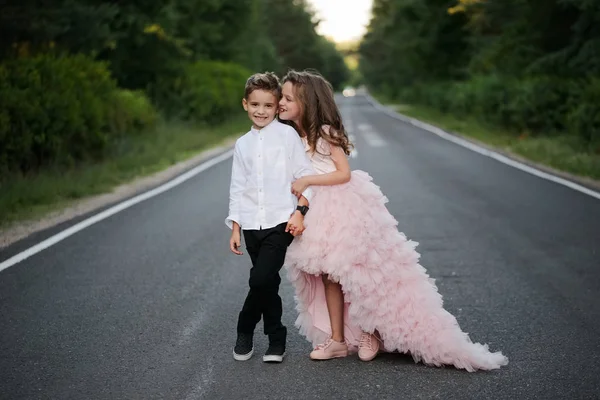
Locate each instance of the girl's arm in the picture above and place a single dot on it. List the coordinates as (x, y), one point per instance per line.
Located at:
(339, 176)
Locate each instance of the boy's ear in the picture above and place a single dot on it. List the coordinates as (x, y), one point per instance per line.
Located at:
(245, 104)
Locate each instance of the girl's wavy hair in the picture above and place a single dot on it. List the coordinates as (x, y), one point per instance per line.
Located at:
(318, 108)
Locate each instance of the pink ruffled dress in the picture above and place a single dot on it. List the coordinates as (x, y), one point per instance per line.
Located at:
(351, 236)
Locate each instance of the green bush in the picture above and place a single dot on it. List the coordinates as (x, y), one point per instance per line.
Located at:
(435, 95)
(492, 99)
(539, 105)
(206, 91)
(583, 118)
(60, 110)
(486, 97)
(132, 112)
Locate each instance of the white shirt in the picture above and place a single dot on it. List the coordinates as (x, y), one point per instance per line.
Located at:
(265, 163)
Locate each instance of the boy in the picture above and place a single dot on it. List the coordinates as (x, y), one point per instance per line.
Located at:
(265, 162)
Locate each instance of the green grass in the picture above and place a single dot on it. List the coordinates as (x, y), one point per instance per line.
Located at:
(562, 152)
(26, 197)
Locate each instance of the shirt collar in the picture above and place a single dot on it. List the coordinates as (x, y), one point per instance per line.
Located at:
(258, 131)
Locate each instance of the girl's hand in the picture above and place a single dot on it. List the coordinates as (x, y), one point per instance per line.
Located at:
(295, 225)
(299, 186)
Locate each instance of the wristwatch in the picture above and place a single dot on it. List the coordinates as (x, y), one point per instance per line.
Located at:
(303, 210)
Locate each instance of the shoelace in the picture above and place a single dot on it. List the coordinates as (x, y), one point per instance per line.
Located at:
(324, 345)
(365, 341)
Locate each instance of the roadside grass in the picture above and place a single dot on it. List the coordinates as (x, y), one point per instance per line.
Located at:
(562, 152)
(32, 196)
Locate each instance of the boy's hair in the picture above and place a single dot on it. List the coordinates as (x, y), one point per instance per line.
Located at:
(266, 81)
(318, 108)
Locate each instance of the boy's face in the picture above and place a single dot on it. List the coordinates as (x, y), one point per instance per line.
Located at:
(261, 106)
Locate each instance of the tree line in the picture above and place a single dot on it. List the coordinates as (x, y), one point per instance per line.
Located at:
(532, 66)
(77, 75)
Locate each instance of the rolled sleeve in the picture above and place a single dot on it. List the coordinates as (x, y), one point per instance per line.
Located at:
(308, 194)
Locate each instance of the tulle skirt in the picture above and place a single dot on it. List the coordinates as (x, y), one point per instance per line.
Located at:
(351, 236)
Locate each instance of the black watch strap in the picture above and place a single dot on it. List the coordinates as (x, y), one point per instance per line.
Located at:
(303, 210)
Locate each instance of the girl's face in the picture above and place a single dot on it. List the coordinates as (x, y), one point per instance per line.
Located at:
(289, 105)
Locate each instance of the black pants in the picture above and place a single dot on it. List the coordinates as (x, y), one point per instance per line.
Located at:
(267, 248)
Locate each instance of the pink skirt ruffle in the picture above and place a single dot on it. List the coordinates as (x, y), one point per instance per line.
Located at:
(351, 236)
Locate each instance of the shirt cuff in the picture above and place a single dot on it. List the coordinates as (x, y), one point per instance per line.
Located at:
(230, 220)
(308, 194)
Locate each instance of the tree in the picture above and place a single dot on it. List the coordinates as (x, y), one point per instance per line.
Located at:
(146, 39)
(412, 41)
(291, 25)
(27, 26)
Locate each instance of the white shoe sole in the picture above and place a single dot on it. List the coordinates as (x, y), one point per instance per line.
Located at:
(272, 358)
(243, 357)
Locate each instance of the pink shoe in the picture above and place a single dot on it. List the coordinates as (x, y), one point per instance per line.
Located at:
(368, 347)
(330, 349)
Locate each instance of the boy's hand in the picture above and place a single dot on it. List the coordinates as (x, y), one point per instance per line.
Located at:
(295, 225)
(299, 186)
(235, 242)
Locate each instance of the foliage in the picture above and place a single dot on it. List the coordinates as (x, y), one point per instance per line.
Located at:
(526, 65)
(208, 91)
(77, 74)
(62, 110)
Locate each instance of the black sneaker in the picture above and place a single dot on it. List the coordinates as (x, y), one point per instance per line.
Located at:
(244, 348)
(274, 353)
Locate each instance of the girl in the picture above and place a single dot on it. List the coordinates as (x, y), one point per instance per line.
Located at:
(358, 280)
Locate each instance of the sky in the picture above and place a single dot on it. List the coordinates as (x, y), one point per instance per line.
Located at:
(342, 20)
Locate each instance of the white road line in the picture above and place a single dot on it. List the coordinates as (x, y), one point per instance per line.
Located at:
(113, 210)
(354, 152)
(471, 146)
(372, 138)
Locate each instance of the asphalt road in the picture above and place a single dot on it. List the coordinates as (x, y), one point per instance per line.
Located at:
(143, 305)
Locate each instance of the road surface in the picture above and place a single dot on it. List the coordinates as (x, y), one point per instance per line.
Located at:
(143, 305)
